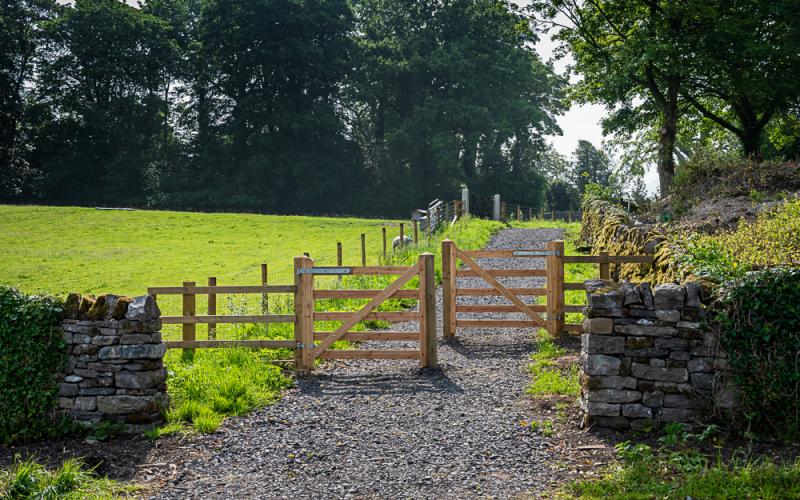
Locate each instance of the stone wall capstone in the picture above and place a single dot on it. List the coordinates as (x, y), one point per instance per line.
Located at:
(115, 369)
(647, 358)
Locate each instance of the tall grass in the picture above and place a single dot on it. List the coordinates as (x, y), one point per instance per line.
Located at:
(26, 479)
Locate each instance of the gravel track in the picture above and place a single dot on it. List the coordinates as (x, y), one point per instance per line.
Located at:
(386, 429)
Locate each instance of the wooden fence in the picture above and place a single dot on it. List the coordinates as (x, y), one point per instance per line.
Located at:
(550, 315)
(306, 294)
(509, 211)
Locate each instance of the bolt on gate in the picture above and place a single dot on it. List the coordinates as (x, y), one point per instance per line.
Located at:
(553, 310)
(306, 293)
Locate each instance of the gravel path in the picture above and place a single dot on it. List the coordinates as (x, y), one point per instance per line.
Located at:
(385, 429)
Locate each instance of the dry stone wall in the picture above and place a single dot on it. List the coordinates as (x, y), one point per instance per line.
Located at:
(647, 357)
(115, 368)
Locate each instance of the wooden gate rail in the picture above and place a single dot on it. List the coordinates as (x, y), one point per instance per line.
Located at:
(190, 318)
(554, 308)
(306, 336)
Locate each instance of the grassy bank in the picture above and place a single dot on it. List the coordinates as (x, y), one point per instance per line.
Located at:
(28, 479)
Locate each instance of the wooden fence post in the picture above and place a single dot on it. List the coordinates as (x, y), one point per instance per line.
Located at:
(189, 309)
(448, 289)
(402, 235)
(530, 213)
(363, 249)
(384, 242)
(605, 268)
(519, 213)
(416, 232)
(212, 309)
(304, 315)
(555, 288)
(427, 309)
(339, 258)
(264, 296)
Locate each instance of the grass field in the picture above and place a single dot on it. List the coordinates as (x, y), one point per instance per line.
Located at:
(56, 250)
(63, 249)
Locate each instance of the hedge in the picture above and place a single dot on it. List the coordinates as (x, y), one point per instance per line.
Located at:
(32, 357)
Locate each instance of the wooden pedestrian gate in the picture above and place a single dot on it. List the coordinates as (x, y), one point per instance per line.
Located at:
(310, 344)
(550, 315)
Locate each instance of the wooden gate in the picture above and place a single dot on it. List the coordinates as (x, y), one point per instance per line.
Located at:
(307, 294)
(550, 315)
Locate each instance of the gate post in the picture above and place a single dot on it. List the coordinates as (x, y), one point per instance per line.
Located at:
(427, 309)
(555, 288)
(496, 207)
(465, 202)
(605, 268)
(304, 315)
(448, 289)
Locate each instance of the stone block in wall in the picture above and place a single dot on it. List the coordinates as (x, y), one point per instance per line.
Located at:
(115, 361)
(647, 357)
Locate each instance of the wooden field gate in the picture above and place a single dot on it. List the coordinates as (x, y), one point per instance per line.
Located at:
(306, 293)
(550, 315)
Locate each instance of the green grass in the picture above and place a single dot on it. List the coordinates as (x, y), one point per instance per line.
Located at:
(61, 249)
(647, 473)
(26, 479)
(547, 377)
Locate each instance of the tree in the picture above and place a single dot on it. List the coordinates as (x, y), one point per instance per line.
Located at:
(591, 166)
(631, 55)
(450, 93)
(20, 41)
(744, 52)
(102, 81)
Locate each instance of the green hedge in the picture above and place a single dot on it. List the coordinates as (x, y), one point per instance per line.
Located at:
(32, 356)
(758, 321)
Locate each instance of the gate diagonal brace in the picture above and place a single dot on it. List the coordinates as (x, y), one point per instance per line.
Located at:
(499, 286)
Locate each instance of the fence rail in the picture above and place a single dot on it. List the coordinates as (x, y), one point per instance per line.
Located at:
(554, 309)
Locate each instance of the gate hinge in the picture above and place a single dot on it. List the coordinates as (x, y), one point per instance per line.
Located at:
(302, 346)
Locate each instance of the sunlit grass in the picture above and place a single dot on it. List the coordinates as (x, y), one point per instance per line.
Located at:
(28, 479)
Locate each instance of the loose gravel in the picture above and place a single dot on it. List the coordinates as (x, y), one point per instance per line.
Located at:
(386, 429)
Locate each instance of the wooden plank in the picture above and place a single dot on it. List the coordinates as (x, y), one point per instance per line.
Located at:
(189, 330)
(504, 254)
(555, 287)
(363, 294)
(264, 282)
(479, 292)
(427, 307)
(504, 273)
(605, 269)
(574, 286)
(610, 259)
(359, 316)
(370, 354)
(363, 250)
(222, 344)
(500, 287)
(497, 323)
(373, 316)
(573, 328)
(466, 308)
(202, 290)
(212, 309)
(254, 318)
(448, 289)
(371, 335)
(304, 315)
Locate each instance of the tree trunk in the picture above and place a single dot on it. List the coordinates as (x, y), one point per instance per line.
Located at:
(666, 142)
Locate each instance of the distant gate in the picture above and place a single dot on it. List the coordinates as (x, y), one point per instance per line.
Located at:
(550, 315)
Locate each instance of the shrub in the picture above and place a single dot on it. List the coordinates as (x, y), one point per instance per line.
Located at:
(32, 356)
(758, 322)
